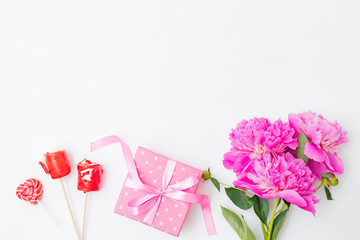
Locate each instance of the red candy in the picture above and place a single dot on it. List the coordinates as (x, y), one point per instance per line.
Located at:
(57, 164)
(30, 191)
(89, 176)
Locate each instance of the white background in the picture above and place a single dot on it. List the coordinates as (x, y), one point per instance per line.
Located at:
(174, 77)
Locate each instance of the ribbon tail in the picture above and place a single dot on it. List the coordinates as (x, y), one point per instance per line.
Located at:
(103, 142)
(150, 216)
(201, 199)
(208, 217)
(128, 156)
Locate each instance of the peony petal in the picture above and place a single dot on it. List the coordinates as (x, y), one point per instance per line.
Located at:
(246, 184)
(313, 133)
(289, 195)
(328, 163)
(295, 121)
(310, 204)
(336, 163)
(315, 153)
(293, 197)
(293, 145)
(229, 159)
(228, 164)
(343, 139)
(270, 196)
(241, 163)
(317, 168)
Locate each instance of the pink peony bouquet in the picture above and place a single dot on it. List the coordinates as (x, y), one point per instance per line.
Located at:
(288, 162)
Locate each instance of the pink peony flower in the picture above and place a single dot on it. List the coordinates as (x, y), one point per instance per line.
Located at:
(280, 176)
(258, 137)
(325, 139)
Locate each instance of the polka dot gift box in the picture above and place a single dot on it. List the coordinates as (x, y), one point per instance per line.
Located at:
(158, 191)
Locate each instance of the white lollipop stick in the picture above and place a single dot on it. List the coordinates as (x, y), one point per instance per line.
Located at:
(47, 214)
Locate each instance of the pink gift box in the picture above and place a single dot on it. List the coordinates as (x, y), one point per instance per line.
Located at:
(158, 190)
(171, 213)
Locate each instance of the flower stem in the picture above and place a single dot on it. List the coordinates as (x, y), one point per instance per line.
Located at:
(320, 186)
(263, 229)
(227, 185)
(271, 223)
(282, 208)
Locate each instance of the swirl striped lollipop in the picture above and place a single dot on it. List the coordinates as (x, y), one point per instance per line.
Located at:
(30, 191)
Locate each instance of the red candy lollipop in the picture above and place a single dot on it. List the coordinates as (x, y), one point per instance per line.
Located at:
(57, 164)
(89, 179)
(30, 191)
(89, 176)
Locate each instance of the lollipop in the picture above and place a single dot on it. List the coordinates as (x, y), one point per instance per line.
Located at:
(89, 176)
(58, 166)
(89, 179)
(30, 191)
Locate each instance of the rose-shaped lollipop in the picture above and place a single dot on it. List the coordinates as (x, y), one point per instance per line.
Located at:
(89, 176)
(89, 179)
(30, 191)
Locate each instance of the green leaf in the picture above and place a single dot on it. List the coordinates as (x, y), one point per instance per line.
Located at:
(261, 208)
(287, 203)
(328, 193)
(302, 140)
(216, 183)
(234, 220)
(239, 198)
(239, 225)
(278, 222)
(248, 235)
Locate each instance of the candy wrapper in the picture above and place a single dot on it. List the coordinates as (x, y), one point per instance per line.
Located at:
(158, 191)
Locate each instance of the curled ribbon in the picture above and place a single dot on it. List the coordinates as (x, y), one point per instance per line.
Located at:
(151, 201)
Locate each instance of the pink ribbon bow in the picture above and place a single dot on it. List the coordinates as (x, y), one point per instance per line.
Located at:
(151, 200)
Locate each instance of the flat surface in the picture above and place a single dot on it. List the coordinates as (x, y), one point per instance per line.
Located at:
(174, 77)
